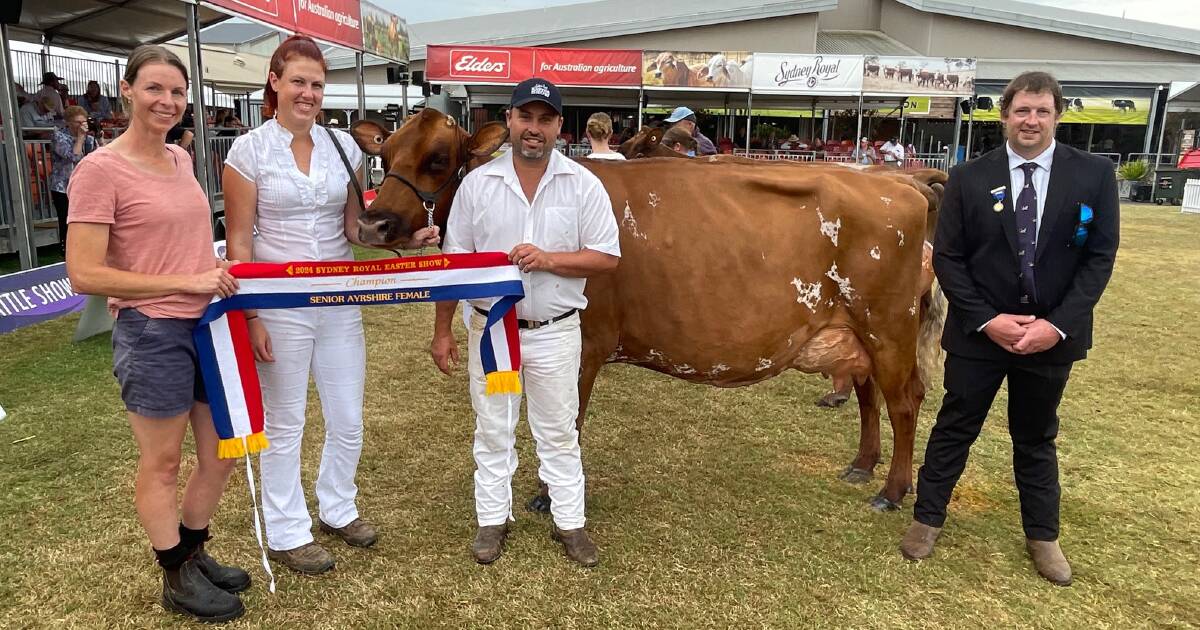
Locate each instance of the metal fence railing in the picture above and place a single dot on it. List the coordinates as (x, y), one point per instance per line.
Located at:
(37, 155)
(1115, 157)
(770, 154)
(928, 160)
(218, 150)
(1154, 159)
(27, 70)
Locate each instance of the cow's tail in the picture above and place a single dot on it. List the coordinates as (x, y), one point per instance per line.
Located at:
(929, 339)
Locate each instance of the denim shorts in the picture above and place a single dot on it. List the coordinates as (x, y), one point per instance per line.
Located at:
(154, 360)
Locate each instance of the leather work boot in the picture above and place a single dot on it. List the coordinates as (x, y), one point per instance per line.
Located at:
(186, 591)
(228, 579)
(310, 559)
(358, 533)
(489, 542)
(579, 547)
(917, 543)
(1049, 560)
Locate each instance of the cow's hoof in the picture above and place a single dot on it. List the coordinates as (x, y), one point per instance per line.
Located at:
(855, 475)
(833, 399)
(539, 503)
(881, 504)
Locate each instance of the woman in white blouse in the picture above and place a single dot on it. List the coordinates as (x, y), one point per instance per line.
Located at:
(599, 130)
(286, 179)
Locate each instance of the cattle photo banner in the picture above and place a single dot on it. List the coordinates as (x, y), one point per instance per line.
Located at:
(223, 343)
(917, 76)
(1082, 105)
(814, 75)
(707, 70)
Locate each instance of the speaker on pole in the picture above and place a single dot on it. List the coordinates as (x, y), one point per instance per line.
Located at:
(10, 12)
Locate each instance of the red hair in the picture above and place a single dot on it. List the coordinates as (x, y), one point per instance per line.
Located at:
(294, 46)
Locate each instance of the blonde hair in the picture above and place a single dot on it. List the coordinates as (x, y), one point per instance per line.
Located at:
(74, 111)
(599, 126)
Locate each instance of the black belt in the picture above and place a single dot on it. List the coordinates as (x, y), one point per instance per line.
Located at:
(530, 325)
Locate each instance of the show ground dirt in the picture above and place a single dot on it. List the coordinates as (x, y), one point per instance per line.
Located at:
(712, 508)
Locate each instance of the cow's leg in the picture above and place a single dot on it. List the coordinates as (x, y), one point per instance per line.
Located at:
(903, 393)
(862, 469)
(839, 395)
(589, 367)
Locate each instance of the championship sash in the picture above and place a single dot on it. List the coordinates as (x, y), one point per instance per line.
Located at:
(223, 342)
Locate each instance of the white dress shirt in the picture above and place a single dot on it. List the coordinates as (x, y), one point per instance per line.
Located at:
(300, 217)
(570, 211)
(1041, 178)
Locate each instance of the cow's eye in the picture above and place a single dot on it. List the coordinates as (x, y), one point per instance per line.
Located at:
(439, 162)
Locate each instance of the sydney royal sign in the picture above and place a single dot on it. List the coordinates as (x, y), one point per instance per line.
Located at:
(807, 74)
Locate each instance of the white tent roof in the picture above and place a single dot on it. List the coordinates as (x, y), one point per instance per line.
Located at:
(227, 70)
(106, 26)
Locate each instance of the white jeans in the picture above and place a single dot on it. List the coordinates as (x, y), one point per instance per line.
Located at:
(329, 342)
(550, 380)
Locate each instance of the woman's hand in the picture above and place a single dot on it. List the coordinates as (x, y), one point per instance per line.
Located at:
(260, 341)
(424, 237)
(216, 281)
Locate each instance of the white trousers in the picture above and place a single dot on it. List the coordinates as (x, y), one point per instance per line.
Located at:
(329, 343)
(550, 380)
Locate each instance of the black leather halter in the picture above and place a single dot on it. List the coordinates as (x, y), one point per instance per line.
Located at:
(429, 199)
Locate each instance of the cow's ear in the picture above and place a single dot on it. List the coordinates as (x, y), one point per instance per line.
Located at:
(370, 136)
(487, 139)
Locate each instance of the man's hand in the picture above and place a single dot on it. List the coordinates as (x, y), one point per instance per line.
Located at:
(1040, 335)
(444, 350)
(528, 258)
(1007, 330)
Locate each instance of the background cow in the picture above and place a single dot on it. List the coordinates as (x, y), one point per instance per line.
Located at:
(1123, 104)
(779, 267)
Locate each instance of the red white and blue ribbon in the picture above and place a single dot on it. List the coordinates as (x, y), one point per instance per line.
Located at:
(223, 342)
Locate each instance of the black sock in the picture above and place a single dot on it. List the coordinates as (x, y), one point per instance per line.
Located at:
(171, 559)
(192, 538)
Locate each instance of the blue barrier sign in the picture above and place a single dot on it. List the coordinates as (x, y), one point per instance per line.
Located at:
(36, 295)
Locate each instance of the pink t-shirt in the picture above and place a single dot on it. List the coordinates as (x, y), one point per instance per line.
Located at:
(158, 224)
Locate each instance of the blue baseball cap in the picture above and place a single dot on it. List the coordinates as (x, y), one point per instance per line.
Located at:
(679, 114)
(537, 89)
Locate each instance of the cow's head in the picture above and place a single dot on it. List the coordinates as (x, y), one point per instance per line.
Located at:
(426, 157)
(646, 144)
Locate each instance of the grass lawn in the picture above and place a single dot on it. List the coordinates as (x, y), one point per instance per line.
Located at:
(712, 508)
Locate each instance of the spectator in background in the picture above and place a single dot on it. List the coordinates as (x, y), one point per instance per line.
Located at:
(95, 103)
(21, 94)
(866, 154)
(679, 140)
(893, 153)
(182, 133)
(599, 131)
(37, 112)
(686, 119)
(64, 95)
(71, 143)
(49, 89)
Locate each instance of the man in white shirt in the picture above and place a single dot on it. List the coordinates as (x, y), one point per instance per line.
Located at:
(556, 221)
(50, 83)
(893, 153)
(36, 113)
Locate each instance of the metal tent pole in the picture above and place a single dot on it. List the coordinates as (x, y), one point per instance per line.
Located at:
(1150, 120)
(858, 130)
(1162, 132)
(362, 90)
(957, 130)
(197, 71)
(14, 158)
(749, 116)
(641, 100)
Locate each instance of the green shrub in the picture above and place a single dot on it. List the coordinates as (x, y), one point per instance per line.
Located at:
(1134, 171)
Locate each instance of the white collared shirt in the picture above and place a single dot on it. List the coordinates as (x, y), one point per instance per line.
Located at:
(1041, 178)
(570, 211)
(300, 217)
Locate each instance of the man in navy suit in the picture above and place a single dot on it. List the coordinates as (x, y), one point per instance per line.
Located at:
(1025, 244)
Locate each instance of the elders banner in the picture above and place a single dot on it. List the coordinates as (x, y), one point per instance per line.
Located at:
(502, 65)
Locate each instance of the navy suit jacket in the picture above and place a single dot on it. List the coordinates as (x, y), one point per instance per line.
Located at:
(975, 253)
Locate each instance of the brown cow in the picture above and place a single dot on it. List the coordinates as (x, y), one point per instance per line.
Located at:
(777, 268)
(672, 71)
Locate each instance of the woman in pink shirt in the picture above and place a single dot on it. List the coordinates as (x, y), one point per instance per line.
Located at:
(141, 234)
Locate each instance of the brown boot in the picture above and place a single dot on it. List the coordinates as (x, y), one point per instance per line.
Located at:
(489, 542)
(310, 559)
(358, 533)
(579, 547)
(1049, 560)
(917, 543)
